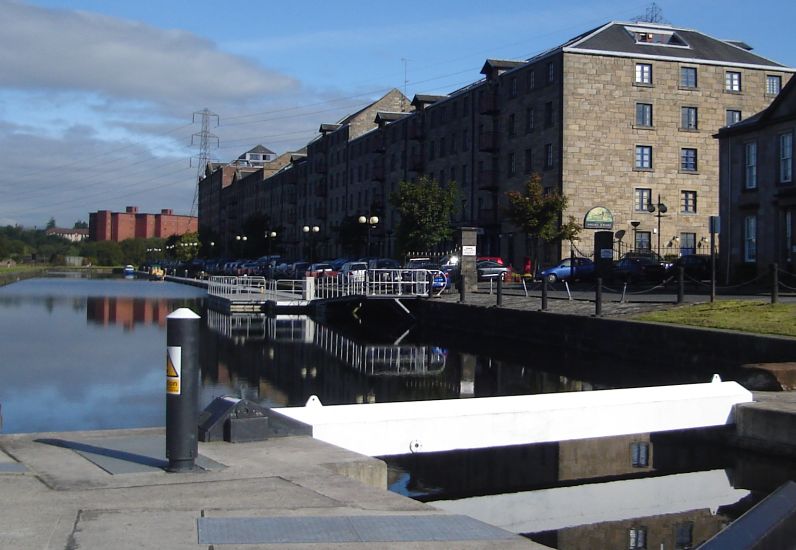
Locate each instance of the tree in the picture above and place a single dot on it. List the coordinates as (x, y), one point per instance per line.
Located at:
(538, 214)
(426, 208)
(51, 223)
(80, 224)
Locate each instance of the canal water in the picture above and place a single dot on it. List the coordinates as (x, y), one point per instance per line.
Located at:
(84, 354)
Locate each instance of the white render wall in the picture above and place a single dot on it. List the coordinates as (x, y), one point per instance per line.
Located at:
(383, 429)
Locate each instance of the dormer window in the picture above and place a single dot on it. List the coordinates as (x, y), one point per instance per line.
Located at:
(656, 37)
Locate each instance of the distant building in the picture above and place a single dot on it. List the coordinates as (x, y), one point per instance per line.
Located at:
(757, 191)
(105, 225)
(74, 235)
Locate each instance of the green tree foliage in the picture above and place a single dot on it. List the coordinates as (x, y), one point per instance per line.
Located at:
(186, 247)
(426, 208)
(539, 213)
(108, 253)
(80, 224)
(133, 251)
(50, 223)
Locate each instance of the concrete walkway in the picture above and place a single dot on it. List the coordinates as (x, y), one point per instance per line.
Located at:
(79, 490)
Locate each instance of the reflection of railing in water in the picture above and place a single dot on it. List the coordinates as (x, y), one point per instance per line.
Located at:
(381, 360)
(370, 359)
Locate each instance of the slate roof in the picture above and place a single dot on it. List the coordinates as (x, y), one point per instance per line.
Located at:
(500, 64)
(258, 149)
(613, 37)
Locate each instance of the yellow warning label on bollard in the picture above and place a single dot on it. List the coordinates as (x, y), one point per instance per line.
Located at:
(173, 369)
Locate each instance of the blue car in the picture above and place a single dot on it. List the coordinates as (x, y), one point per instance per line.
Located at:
(584, 269)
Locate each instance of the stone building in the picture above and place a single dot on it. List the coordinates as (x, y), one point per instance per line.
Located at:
(758, 197)
(105, 225)
(619, 119)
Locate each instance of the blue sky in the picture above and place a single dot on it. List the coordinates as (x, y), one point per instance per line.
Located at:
(97, 97)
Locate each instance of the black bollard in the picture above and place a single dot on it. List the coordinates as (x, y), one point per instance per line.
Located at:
(182, 389)
(680, 284)
(598, 302)
(462, 289)
(774, 283)
(544, 294)
(500, 290)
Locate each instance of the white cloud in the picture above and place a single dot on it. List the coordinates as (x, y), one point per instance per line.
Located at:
(47, 49)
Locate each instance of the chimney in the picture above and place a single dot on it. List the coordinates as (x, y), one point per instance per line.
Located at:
(166, 211)
(131, 209)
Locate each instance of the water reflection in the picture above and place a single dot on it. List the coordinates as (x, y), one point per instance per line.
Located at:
(283, 360)
(127, 312)
(67, 366)
(638, 491)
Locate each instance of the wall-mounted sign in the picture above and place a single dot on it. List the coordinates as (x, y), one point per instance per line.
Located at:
(598, 217)
(468, 250)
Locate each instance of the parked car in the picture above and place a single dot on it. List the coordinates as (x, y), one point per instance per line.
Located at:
(584, 269)
(640, 266)
(695, 267)
(353, 272)
(320, 270)
(489, 269)
(383, 263)
(297, 270)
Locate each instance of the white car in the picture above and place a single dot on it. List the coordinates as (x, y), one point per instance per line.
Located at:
(354, 272)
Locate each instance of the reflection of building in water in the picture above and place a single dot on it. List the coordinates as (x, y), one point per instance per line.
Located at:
(584, 494)
(127, 311)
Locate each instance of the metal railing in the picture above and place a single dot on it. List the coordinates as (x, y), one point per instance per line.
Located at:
(386, 283)
(255, 288)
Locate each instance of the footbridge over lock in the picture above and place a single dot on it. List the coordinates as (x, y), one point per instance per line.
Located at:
(384, 429)
(245, 294)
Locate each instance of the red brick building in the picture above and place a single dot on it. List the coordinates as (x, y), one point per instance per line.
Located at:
(105, 225)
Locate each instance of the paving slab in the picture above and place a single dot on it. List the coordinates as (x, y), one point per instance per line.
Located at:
(66, 499)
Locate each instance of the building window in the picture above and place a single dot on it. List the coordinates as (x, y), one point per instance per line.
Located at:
(514, 87)
(643, 157)
(442, 149)
(529, 120)
(750, 163)
(688, 77)
(732, 81)
(528, 161)
(687, 243)
(464, 175)
(511, 125)
(684, 535)
(453, 174)
(733, 116)
(688, 159)
(548, 156)
(642, 240)
(511, 165)
(642, 199)
(644, 115)
(531, 80)
(688, 118)
(644, 73)
(551, 72)
(465, 140)
(431, 151)
(548, 114)
(773, 84)
(637, 538)
(640, 454)
(688, 202)
(750, 238)
(785, 158)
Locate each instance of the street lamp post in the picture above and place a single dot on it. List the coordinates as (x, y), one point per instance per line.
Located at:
(309, 231)
(659, 209)
(241, 243)
(269, 238)
(372, 221)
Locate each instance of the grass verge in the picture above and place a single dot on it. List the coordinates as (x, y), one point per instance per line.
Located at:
(744, 315)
